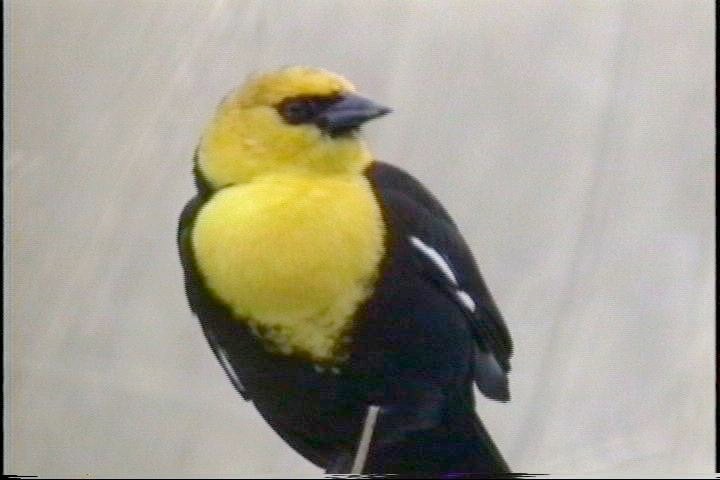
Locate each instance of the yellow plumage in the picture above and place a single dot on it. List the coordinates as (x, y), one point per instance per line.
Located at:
(293, 242)
(248, 137)
(273, 87)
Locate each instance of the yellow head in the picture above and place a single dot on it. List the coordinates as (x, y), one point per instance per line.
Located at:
(297, 119)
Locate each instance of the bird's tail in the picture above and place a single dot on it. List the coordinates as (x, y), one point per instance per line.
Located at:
(458, 446)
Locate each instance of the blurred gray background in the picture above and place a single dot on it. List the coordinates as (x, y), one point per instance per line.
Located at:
(572, 141)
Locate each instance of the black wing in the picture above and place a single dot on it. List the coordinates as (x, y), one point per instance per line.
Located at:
(444, 257)
(276, 384)
(200, 302)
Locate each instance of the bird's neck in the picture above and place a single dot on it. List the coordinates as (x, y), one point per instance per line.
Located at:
(224, 159)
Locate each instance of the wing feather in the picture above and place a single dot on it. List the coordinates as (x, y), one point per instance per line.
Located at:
(447, 261)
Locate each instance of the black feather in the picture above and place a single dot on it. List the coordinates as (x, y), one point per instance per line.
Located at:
(426, 218)
(415, 351)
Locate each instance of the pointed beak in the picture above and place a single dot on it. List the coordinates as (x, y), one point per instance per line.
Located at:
(348, 114)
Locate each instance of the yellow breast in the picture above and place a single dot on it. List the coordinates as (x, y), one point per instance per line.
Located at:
(293, 256)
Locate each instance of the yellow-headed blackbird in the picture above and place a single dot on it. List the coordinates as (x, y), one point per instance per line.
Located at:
(335, 290)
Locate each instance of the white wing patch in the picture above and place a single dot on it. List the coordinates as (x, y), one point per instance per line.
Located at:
(435, 257)
(444, 267)
(466, 300)
(222, 356)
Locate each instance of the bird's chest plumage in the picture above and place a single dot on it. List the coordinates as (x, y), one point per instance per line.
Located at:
(293, 256)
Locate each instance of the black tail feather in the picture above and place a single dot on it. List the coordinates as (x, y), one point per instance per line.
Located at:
(458, 446)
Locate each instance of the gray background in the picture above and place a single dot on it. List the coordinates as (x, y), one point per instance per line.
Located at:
(572, 141)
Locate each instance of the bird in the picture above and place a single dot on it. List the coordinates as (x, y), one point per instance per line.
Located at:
(335, 290)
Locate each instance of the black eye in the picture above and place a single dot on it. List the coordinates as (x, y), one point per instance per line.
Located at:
(299, 111)
(305, 109)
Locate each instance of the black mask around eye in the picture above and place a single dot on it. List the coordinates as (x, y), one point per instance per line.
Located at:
(336, 115)
(298, 110)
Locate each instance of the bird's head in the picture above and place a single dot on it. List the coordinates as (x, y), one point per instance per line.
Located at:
(296, 119)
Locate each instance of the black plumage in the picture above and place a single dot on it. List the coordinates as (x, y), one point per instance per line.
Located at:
(416, 347)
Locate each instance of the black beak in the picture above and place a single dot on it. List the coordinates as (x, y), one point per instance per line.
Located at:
(348, 114)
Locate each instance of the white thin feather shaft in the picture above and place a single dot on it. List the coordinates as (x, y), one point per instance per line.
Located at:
(365, 437)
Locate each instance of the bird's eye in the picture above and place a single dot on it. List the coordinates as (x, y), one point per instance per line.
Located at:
(305, 109)
(299, 111)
